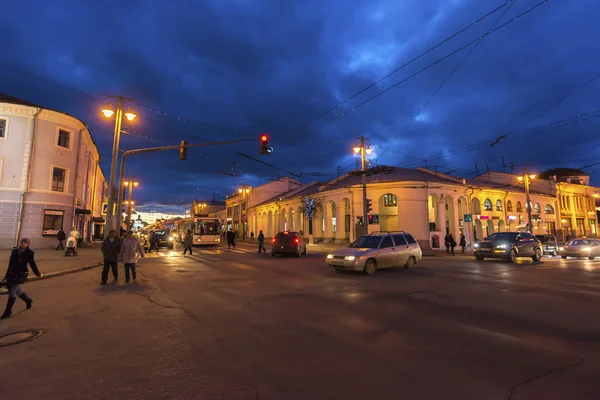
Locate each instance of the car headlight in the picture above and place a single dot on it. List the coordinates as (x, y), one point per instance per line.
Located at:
(217, 239)
(476, 245)
(587, 249)
(349, 258)
(170, 239)
(561, 248)
(502, 246)
(329, 256)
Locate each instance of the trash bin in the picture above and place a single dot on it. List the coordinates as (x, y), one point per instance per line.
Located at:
(435, 242)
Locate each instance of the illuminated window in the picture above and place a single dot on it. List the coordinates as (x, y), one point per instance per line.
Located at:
(519, 207)
(537, 208)
(549, 209)
(509, 206)
(487, 205)
(498, 205)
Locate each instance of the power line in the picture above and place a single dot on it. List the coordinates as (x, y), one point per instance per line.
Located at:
(409, 62)
(428, 66)
(512, 3)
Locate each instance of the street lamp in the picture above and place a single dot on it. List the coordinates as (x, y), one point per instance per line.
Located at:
(130, 184)
(108, 113)
(526, 178)
(244, 192)
(362, 146)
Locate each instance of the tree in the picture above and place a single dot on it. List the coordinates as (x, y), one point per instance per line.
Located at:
(311, 208)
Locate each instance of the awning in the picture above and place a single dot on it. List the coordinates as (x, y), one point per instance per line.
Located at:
(81, 211)
(98, 219)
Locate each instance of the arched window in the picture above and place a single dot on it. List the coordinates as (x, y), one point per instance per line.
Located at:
(537, 208)
(519, 207)
(509, 206)
(476, 205)
(498, 205)
(549, 209)
(390, 200)
(487, 205)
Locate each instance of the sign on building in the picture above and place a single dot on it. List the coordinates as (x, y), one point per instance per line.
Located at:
(468, 218)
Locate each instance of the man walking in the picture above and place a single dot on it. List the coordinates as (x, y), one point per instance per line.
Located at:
(111, 248)
(188, 241)
(261, 242)
(61, 236)
(131, 251)
(230, 239)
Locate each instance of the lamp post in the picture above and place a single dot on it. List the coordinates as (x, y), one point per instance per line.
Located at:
(362, 146)
(130, 184)
(108, 113)
(526, 179)
(244, 192)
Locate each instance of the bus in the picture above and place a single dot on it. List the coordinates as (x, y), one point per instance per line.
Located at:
(206, 231)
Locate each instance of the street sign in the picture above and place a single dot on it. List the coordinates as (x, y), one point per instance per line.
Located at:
(468, 218)
(105, 208)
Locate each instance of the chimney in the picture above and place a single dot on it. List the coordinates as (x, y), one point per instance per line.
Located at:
(554, 177)
(464, 181)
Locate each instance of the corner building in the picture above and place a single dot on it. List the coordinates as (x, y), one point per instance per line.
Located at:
(50, 175)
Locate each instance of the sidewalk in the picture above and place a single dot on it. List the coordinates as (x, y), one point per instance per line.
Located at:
(53, 263)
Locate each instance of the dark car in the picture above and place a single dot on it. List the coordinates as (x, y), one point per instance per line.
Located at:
(163, 238)
(288, 243)
(509, 246)
(549, 244)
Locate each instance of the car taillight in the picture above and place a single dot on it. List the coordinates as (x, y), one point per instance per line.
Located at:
(273, 240)
(296, 240)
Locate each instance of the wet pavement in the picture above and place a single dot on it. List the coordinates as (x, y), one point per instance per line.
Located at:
(227, 324)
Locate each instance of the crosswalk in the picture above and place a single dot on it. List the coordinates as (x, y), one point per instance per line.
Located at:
(211, 251)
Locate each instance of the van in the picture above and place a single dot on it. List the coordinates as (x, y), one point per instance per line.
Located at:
(549, 244)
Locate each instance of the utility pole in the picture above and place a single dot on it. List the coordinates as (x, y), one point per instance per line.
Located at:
(339, 171)
(113, 169)
(129, 203)
(529, 223)
(363, 146)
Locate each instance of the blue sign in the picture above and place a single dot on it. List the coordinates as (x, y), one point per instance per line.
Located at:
(468, 218)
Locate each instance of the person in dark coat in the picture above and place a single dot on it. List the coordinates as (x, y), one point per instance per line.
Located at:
(261, 242)
(111, 247)
(452, 243)
(188, 241)
(61, 236)
(16, 275)
(463, 242)
(230, 239)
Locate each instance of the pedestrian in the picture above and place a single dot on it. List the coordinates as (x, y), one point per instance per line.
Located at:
(131, 251)
(16, 275)
(452, 243)
(111, 248)
(261, 242)
(188, 241)
(447, 243)
(61, 236)
(230, 239)
(463, 242)
(252, 235)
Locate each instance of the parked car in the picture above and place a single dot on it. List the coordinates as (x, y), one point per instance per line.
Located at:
(549, 244)
(375, 251)
(164, 238)
(509, 246)
(581, 247)
(288, 243)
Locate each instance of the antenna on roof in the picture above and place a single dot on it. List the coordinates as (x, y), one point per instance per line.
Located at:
(426, 164)
(339, 171)
(512, 167)
(476, 170)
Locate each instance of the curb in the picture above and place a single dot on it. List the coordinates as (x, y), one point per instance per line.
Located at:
(57, 273)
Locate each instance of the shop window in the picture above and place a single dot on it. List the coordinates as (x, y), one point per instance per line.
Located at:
(53, 221)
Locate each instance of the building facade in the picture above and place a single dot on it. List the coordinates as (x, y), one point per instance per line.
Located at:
(50, 176)
(428, 205)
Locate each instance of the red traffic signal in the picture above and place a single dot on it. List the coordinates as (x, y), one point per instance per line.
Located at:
(264, 138)
(263, 147)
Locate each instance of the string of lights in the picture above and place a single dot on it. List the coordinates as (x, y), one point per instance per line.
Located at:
(368, 100)
(410, 61)
(532, 131)
(426, 103)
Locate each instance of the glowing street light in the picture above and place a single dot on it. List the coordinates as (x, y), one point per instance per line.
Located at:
(526, 179)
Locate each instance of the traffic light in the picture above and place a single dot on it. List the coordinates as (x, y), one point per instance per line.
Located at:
(183, 150)
(264, 145)
(369, 205)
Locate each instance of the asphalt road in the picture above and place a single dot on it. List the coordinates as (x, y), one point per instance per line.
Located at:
(235, 325)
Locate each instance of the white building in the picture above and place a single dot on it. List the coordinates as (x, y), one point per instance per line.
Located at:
(50, 176)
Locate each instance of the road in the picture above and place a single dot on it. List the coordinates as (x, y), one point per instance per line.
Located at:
(237, 325)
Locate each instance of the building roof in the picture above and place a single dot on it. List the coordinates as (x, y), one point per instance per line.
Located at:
(561, 172)
(302, 191)
(4, 98)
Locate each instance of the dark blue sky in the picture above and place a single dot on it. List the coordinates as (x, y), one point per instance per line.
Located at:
(274, 66)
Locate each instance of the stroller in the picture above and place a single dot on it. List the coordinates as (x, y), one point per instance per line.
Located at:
(71, 249)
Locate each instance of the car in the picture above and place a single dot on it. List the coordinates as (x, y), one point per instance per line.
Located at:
(581, 247)
(509, 246)
(375, 251)
(288, 243)
(549, 244)
(164, 238)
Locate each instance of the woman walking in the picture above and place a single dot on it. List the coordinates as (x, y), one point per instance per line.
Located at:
(131, 250)
(188, 241)
(16, 275)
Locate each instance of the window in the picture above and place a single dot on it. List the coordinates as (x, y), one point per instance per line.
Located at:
(537, 208)
(509, 206)
(580, 226)
(592, 227)
(409, 238)
(58, 179)
(487, 205)
(519, 207)
(400, 241)
(386, 242)
(3, 129)
(53, 221)
(63, 138)
(347, 222)
(390, 200)
(548, 209)
(498, 205)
